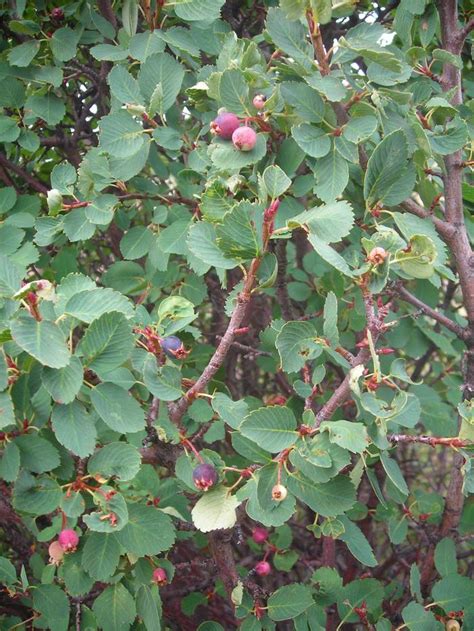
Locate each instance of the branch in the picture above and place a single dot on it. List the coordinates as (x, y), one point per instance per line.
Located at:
(460, 331)
(29, 179)
(464, 32)
(429, 440)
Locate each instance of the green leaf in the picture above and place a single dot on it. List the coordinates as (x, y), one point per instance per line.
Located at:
(329, 499)
(108, 52)
(149, 606)
(123, 86)
(202, 243)
(394, 473)
(74, 428)
(387, 180)
(48, 107)
(417, 618)
(36, 453)
(7, 572)
(330, 319)
(329, 222)
(9, 130)
(354, 593)
(148, 531)
(289, 601)
(306, 102)
(116, 459)
(119, 410)
(142, 45)
(163, 382)
(445, 557)
(231, 412)
(108, 342)
(276, 181)
(312, 140)
(91, 304)
(42, 340)
(237, 236)
(99, 521)
(418, 258)
(272, 427)
(63, 383)
(357, 542)
(234, 92)
(161, 69)
(121, 135)
(360, 128)
(215, 510)
(332, 176)
(329, 254)
(63, 176)
(53, 605)
(23, 54)
(196, 10)
(454, 592)
(290, 37)
(9, 462)
(347, 434)
(11, 275)
(115, 608)
(297, 343)
(101, 555)
(7, 414)
(64, 43)
(36, 495)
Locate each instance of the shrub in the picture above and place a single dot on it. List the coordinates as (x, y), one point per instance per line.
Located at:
(236, 381)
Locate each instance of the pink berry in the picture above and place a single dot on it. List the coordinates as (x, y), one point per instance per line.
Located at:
(68, 540)
(56, 552)
(260, 535)
(259, 101)
(204, 476)
(244, 138)
(159, 576)
(225, 125)
(263, 568)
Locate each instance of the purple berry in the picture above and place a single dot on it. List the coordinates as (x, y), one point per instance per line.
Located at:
(260, 535)
(173, 347)
(57, 14)
(159, 576)
(68, 540)
(204, 476)
(263, 568)
(244, 138)
(225, 125)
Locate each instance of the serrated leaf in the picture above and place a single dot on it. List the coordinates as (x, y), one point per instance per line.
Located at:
(290, 37)
(418, 258)
(63, 383)
(215, 510)
(53, 605)
(100, 555)
(121, 135)
(42, 340)
(91, 304)
(123, 86)
(107, 342)
(74, 428)
(332, 176)
(357, 542)
(297, 343)
(226, 157)
(161, 69)
(272, 427)
(276, 181)
(237, 236)
(115, 608)
(148, 531)
(234, 92)
(116, 459)
(329, 499)
(201, 242)
(289, 601)
(394, 473)
(163, 382)
(305, 100)
(119, 410)
(330, 319)
(312, 140)
(149, 606)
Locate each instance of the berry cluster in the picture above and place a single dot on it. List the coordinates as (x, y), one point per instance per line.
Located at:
(227, 126)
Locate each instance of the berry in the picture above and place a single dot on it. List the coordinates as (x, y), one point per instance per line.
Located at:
(173, 347)
(159, 576)
(452, 625)
(277, 399)
(259, 101)
(56, 552)
(279, 492)
(225, 125)
(260, 535)
(263, 568)
(57, 14)
(68, 540)
(204, 476)
(377, 256)
(244, 138)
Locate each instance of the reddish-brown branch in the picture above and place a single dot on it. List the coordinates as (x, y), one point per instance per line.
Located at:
(35, 184)
(429, 440)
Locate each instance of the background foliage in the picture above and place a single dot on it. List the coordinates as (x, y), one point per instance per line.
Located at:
(330, 344)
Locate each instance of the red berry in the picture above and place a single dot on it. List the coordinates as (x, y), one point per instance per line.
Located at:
(259, 101)
(263, 568)
(244, 138)
(225, 125)
(260, 535)
(68, 540)
(204, 476)
(159, 576)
